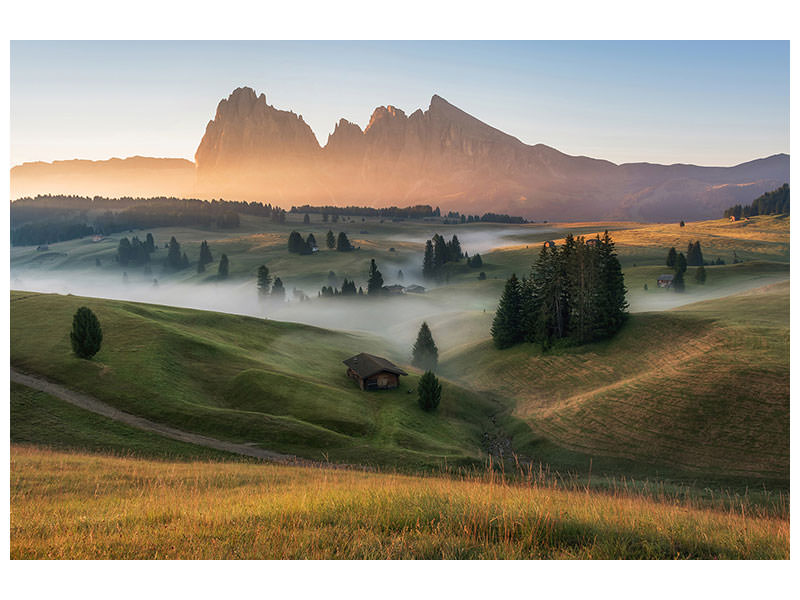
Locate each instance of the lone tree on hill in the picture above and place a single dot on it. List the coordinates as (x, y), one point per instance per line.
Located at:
(429, 392)
(672, 256)
(506, 329)
(683, 224)
(222, 270)
(86, 335)
(375, 282)
(425, 354)
(264, 281)
(330, 239)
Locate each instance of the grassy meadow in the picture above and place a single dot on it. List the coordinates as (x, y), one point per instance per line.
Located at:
(79, 506)
(670, 440)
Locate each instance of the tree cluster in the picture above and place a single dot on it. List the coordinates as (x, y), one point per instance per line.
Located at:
(575, 292)
(694, 255)
(205, 257)
(342, 243)
(438, 253)
(175, 260)
(134, 251)
(775, 202)
(298, 245)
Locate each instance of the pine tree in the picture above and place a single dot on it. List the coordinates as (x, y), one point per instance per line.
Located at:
(174, 256)
(205, 253)
(613, 305)
(672, 255)
(306, 219)
(429, 392)
(278, 293)
(476, 261)
(506, 325)
(150, 243)
(264, 281)
(700, 275)
(330, 240)
(86, 336)
(185, 261)
(222, 270)
(342, 243)
(311, 241)
(375, 281)
(680, 263)
(439, 254)
(427, 261)
(424, 353)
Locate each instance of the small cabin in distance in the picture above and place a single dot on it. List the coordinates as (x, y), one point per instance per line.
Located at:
(665, 281)
(373, 372)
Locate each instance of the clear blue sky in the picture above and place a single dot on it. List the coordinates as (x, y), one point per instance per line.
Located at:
(710, 103)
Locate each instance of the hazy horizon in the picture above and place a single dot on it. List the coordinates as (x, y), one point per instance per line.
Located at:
(704, 103)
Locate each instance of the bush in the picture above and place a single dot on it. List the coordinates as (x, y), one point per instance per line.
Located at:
(86, 335)
(429, 392)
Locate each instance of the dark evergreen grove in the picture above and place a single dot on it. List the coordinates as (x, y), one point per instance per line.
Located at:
(694, 255)
(429, 392)
(438, 252)
(424, 353)
(134, 251)
(342, 243)
(86, 335)
(775, 202)
(575, 292)
(297, 244)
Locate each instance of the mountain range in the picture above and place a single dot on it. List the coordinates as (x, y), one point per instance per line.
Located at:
(440, 156)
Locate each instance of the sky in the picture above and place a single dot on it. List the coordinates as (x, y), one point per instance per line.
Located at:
(708, 103)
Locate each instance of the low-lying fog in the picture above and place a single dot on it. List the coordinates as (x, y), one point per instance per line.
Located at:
(482, 241)
(456, 318)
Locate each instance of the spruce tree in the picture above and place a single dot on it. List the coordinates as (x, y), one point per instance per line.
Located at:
(311, 241)
(150, 243)
(205, 253)
(278, 292)
(86, 335)
(306, 219)
(330, 240)
(264, 281)
(613, 305)
(424, 353)
(427, 261)
(672, 255)
(429, 392)
(342, 243)
(222, 270)
(680, 263)
(506, 324)
(375, 281)
(174, 256)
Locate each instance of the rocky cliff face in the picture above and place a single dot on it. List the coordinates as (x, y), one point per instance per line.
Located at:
(441, 156)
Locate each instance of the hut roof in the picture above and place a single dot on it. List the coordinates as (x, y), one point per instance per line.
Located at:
(367, 365)
(666, 277)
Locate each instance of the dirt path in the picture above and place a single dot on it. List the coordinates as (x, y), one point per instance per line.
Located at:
(101, 408)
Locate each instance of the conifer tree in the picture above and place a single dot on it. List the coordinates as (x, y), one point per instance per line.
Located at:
(375, 281)
(86, 336)
(278, 292)
(264, 281)
(306, 219)
(424, 353)
(222, 270)
(311, 241)
(680, 263)
(613, 305)
(174, 256)
(506, 324)
(342, 243)
(205, 253)
(150, 243)
(185, 261)
(330, 239)
(429, 392)
(678, 283)
(427, 261)
(672, 256)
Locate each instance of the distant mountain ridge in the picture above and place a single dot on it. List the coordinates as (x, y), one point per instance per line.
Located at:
(441, 156)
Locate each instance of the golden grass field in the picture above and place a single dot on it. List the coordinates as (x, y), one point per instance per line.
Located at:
(81, 506)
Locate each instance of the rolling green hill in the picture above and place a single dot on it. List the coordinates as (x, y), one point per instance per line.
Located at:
(280, 386)
(703, 389)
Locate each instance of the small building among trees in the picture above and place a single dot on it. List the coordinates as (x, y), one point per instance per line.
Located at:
(665, 281)
(373, 372)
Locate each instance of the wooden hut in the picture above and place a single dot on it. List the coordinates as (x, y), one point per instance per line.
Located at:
(665, 281)
(373, 372)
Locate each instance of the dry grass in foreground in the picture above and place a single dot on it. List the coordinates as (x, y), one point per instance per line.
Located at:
(81, 506)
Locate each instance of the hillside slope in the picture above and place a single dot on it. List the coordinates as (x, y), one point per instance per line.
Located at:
(703, 388)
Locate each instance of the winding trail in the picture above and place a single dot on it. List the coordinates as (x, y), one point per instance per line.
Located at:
(101, 408)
